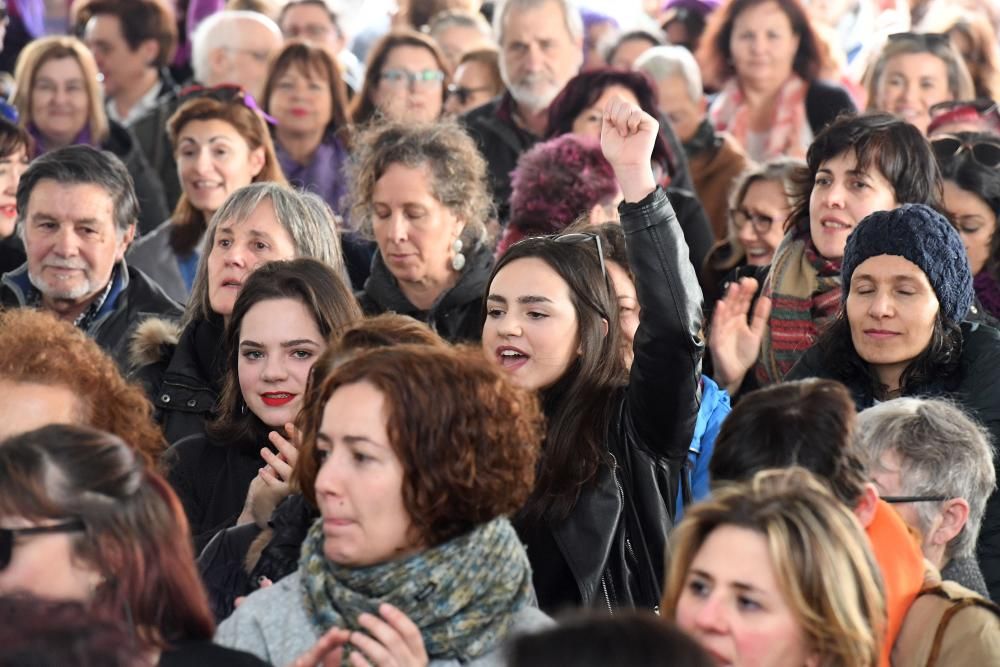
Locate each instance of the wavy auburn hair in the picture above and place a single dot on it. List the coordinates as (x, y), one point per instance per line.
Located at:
(467, 439)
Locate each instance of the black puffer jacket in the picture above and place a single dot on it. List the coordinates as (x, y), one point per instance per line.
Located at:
(134, 299)
(610, 548)
(975, 386)
(457, 314)
(182, 373)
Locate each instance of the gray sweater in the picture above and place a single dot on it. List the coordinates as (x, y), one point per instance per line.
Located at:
(273, 625)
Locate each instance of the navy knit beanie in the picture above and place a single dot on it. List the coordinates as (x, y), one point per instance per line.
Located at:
(923, 236)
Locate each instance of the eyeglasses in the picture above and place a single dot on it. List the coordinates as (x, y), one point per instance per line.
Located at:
(226, 92)
(463, 94)
(581, 237)
(929, 40)
(986, 153)
(7, 536)
(760, 223)
(399, 77)
(914, 499)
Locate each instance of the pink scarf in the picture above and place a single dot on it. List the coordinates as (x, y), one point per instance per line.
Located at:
(789, 133)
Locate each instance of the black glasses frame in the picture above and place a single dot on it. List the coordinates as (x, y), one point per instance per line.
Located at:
(914, 499)
(7, 536)
(927, 39)
(463, 94)
(760, 223)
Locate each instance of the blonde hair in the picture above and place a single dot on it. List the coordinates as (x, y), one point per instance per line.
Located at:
(42, 50)
(959, 80)
(826, 572)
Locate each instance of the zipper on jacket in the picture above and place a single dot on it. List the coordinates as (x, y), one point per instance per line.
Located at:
(621, 496)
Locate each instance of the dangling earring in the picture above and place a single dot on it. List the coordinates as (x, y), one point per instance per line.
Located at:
(458, 259)
(243, 408)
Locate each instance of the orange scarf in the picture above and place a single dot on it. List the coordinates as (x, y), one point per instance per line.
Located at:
(902, 564)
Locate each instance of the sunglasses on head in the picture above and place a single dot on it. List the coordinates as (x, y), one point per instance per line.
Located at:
(226, 92)
(895, 500)
(928, 40)
(8, 535)
(581, 237)
(983, 107)
(986, 153)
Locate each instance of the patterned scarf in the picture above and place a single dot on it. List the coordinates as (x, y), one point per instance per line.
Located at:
(789, 133)
(463, 594)
(805, 291)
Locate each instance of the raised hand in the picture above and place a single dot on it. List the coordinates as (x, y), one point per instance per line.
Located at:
(392, 641)
(734, 341)
(628, 135)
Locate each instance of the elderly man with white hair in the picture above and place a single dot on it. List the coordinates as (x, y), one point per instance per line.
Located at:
(934, 464)
(715, 159)
(228, 47)
(541, 48)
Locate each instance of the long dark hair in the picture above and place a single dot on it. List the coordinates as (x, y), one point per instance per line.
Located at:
(937, 364)
(580, 405)
(308, 281)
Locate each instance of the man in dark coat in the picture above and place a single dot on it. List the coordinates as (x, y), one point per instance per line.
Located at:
(77, 213)
(541, 48)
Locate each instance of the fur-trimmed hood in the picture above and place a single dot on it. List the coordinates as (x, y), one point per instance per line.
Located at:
(153, 341)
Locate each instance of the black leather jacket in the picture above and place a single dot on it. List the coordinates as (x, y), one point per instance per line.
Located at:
(615, 537)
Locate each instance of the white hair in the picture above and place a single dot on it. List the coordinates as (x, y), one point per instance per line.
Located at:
(218, 31)
(663, 62)
(570, 10)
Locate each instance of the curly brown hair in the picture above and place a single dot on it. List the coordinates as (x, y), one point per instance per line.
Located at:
(467, 439)
(35, 347)
(456, 167)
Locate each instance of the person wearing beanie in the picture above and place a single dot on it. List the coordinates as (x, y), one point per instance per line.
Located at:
(903, 330)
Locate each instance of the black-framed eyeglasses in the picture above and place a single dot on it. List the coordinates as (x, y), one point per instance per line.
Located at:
(760, 223)
(397, 77)
(7, 536)
(463, 94)
(583, 237)
(986, 153)
(895, 500)
(226, 92)
(928, 40)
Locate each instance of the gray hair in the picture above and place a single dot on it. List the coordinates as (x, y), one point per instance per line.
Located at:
(82, 165)
(663, 62)
(570, 10)
(942, 452)
(455, 18)
(304, 215)
(217, 31)
(959, 80)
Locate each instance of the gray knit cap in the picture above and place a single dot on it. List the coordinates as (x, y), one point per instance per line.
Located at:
(923, 236)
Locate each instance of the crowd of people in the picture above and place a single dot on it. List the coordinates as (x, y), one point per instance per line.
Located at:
(507, 333)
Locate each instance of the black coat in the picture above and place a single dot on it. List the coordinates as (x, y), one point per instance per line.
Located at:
(457, 314)
(150, 131)
(152, 204)
(502, 142)
(212, 479)
(181, 375)
(139, 299)
(975, 386)
(583, 559)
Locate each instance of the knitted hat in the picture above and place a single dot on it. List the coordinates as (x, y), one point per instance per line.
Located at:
(923, 236)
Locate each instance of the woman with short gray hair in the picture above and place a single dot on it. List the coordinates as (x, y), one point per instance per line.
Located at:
(934, 463)
(182, 370)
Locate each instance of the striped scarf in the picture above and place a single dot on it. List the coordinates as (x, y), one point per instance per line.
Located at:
(805, 295)
(463, 594)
